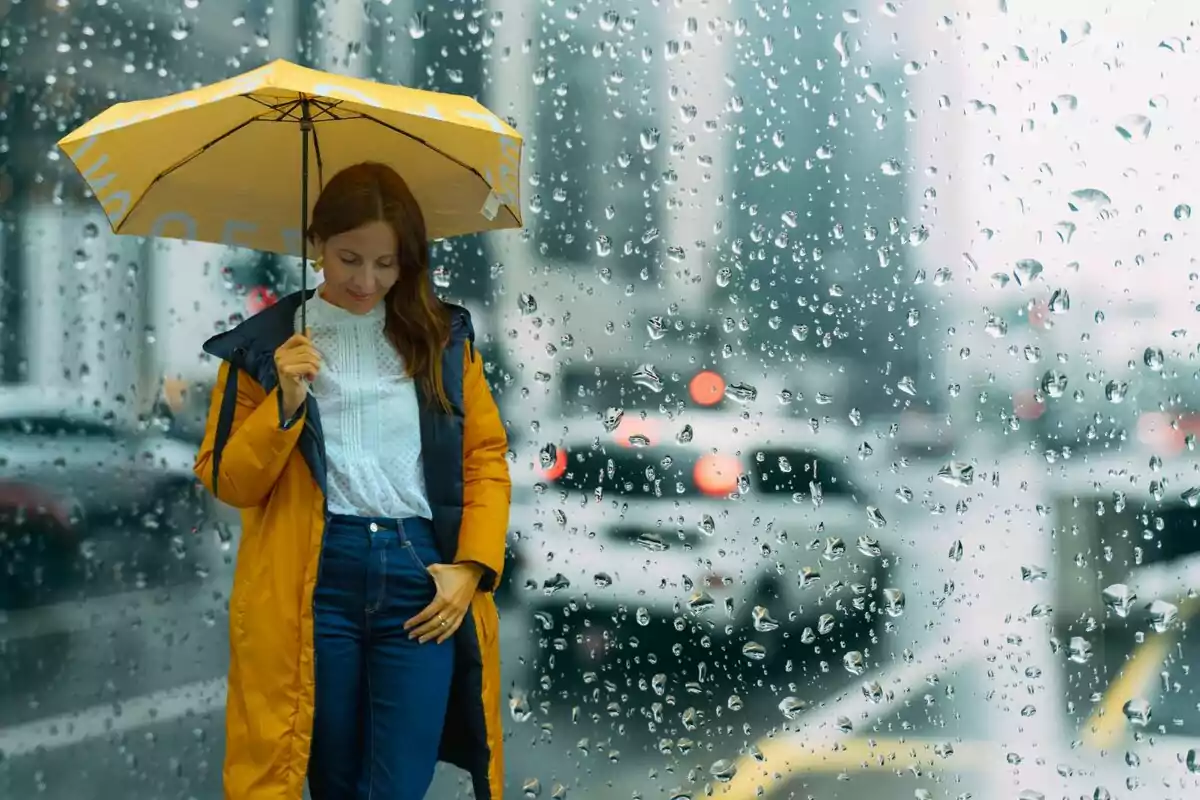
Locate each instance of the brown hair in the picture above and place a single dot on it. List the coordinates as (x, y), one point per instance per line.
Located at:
(416, 322)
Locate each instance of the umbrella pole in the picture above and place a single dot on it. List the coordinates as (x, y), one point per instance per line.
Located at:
(306, 127)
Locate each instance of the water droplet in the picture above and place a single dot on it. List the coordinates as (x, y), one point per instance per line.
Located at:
(957, 473)
(723, 770)
(792, 707)
(754, 651)
(556, 584)
(518, 707)
(1119, 599)
(956, 550)
(1153, 358)
(853, 662)
(417, 25)
(869, 546)
(1032, 572)
(1162, 615)
(1133, 128)
(893, 602)
(646, 377)
(1183, 212)
(612, 417)
(181, 30)
(1115, 391)
(1137, 711)
(1027, 270)
(1092, 200)
(741, 392)
(875, 517)
(527, 303)
(1079, 650)
(1054, 383)
(653, 542)
(763, 621)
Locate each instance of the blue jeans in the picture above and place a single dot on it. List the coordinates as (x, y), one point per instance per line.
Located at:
(380, 696)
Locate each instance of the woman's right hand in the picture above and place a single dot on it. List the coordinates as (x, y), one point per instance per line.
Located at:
(297, 363)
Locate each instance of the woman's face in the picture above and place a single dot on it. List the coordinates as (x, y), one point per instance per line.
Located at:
(360, 266)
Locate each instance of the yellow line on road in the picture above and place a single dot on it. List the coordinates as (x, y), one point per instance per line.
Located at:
(1107, 722)
(786, 758)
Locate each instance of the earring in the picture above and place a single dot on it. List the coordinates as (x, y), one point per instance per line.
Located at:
(317, 265)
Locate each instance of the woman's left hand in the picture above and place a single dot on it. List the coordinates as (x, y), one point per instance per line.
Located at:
(456, 585)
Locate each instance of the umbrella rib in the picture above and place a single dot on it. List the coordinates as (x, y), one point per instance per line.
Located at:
(283, 112)
(437, 150)
(194, 154)
(444, 154)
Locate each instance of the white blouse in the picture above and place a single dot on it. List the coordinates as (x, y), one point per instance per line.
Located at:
(369, 413)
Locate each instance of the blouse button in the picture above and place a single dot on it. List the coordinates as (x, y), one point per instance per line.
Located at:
(374, 527)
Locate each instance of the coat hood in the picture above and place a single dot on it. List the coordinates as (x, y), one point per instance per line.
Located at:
(257, 338)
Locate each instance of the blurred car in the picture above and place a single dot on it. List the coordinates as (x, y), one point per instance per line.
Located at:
(708, 530)
(39, 540)
(110, 471)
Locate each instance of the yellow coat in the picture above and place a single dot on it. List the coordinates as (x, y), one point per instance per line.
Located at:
(277, 478)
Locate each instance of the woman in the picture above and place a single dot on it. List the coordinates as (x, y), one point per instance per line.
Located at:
(363, 630)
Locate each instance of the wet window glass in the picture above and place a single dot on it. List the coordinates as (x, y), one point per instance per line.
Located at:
(847, 357)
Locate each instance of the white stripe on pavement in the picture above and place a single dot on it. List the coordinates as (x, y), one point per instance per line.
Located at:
(75, 727)
(143, 605)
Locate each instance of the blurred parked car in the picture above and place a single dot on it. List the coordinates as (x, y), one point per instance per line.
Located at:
(109, 472)
(709, 529)
(39, 540)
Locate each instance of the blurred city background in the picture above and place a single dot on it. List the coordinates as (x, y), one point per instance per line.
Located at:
(847, 358)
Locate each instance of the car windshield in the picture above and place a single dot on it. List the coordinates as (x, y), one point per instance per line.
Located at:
(667, 472)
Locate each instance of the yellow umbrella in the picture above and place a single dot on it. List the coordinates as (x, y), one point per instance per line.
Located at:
(241, 162)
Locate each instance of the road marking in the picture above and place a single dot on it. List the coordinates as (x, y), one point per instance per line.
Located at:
(817, 745)
(1107, 723)
(107, 719)
(783, 760)
(142, 605)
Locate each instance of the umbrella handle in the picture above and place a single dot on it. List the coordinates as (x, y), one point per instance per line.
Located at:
(306, 130)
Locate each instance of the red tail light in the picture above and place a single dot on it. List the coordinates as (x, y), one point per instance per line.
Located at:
(717, 475)
(707, 388)
(259, 298)
(557, 467)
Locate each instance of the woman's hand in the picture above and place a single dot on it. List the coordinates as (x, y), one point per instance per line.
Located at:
(456, 585)
(297, 363)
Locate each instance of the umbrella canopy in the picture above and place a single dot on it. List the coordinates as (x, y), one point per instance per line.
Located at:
(227, 163)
